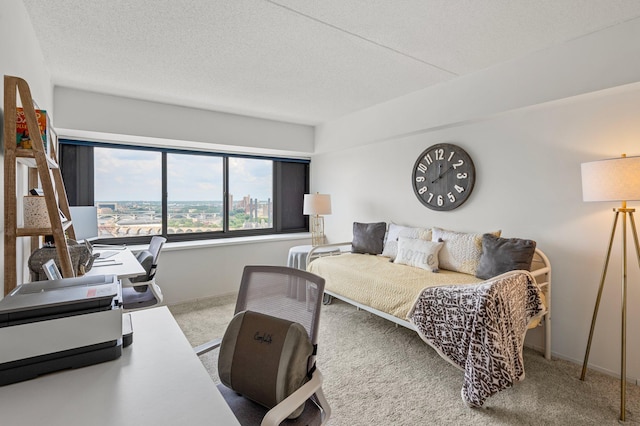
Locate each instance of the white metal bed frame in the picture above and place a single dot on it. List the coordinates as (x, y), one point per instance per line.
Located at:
(540, 269)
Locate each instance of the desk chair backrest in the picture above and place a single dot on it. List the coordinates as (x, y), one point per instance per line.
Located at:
(289, 300)
(149, 259)
(283, 292)
(154, 248)
(142, 291)
(156, 245)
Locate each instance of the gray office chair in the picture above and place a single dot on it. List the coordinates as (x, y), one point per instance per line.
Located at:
(274, 296)
(143, 292)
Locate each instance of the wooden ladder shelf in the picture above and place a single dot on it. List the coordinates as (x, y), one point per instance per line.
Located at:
(41, 166)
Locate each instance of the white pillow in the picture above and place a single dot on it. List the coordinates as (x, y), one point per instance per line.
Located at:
(419, 253)
(461, 251)
(395, 231)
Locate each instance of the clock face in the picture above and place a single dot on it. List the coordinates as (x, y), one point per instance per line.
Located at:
(443, 177)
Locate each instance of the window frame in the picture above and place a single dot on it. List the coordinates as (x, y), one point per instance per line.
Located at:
(74, 169)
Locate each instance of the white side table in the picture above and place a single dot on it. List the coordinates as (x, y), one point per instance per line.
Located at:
(298, 257)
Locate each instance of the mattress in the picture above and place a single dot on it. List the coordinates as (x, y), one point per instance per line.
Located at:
(377, 282)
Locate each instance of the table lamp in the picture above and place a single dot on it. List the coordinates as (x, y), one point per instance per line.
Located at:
(316, 205)
(616, 179)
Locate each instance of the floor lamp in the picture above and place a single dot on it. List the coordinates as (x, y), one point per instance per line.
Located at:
(616, 179)
(316, 205)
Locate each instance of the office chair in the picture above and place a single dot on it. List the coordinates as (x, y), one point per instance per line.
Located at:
(273, 295)
(142, 292)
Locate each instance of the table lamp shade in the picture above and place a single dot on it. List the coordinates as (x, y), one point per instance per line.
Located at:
(616, 179)
(317, 204)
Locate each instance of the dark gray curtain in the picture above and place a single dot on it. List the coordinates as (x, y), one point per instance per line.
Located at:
(76, 166)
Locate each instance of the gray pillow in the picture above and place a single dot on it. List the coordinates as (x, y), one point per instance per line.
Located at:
(500, 255)
(264, 358)
(368, 238)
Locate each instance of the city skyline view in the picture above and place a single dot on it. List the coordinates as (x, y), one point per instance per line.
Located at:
(128, 192)
(138, 218)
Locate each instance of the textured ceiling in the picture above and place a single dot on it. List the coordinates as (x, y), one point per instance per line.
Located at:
(305, 61)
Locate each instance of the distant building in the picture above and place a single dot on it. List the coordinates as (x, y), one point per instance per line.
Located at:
(107, 207)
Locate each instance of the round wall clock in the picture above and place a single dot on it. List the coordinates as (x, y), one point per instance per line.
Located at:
(443, 176)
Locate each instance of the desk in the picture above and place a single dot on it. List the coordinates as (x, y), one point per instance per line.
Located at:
(158, 380)
(123, 264)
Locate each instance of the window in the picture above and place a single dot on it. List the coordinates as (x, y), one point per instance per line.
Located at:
(127, 192)
(250, 193)
(194, 194)
(141, 191)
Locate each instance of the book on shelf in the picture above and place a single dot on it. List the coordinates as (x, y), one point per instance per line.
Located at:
(23, 139)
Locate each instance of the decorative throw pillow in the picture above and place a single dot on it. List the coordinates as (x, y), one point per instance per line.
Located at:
(500, 255)
(368, 238)
(419, 253)
(391, 242)
(264, 358)
(461, 251)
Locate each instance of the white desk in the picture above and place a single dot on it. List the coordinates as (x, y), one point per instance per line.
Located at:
(123, 264)
(158, 380)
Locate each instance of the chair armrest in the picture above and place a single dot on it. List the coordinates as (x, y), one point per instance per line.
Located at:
(207, 347)
(125, 282)
(288, 405)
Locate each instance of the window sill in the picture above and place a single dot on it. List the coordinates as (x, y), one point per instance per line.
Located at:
(198, 244)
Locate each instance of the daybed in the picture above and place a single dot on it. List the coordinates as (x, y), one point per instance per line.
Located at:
(463, 316)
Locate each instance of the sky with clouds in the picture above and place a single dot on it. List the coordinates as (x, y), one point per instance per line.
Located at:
(130, 175)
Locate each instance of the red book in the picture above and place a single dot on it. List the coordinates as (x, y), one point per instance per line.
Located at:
(23, 140)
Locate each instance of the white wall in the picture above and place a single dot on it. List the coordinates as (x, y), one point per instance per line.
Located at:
(21, 53)
(216, 268)
(83, 113)
(21, 56)
(527, 149)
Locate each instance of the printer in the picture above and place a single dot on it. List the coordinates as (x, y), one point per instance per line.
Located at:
(47, 326)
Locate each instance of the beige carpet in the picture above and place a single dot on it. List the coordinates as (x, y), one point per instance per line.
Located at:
(379, 374)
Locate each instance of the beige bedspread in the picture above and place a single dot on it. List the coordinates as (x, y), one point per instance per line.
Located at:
(384, 285)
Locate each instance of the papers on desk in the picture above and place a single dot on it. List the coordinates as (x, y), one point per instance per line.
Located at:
(109, 246)
(105, 262)
(107, 254)
(124, 265)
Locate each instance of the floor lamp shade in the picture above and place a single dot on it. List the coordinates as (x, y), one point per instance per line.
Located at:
(316, 205)
(617, 179)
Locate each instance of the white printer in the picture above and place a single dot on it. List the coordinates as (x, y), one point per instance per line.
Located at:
(53, 325)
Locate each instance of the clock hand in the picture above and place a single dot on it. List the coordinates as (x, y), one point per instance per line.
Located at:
(441, 175)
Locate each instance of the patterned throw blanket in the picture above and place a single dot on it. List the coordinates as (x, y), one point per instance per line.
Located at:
(480, 328)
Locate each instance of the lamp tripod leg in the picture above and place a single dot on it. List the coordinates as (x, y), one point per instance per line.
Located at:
(623, 338)
(635, 236)
(597, 306)
(623, 361)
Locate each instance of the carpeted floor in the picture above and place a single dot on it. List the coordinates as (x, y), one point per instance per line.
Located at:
(379, 374)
